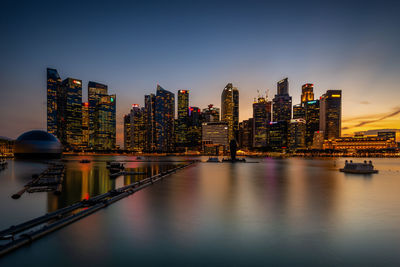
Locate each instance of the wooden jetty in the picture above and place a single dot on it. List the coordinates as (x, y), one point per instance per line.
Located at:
(25, 233)
(49, 180)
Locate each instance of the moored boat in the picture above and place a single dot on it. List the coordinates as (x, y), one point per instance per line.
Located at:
(211, 159)
(359, 168)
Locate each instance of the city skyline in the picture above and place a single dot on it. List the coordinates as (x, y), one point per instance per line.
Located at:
(329, 45)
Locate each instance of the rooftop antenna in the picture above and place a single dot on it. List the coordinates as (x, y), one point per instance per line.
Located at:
(266, 94)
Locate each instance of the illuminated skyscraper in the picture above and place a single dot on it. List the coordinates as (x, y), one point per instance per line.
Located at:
(331, 114)
(278, 132)
(95, 92)
(150, 117)
(127, 132)
(312, 120)
(85, 125)
(70, 113)
(211, 113)
(215, 133)
(282, 102)
(307, 93)
(194, 128)
(105, 124)
(181, 129)
(262, 117)
(299, 112)
(297, 133)
(230, 109)
(164, 118)
(53, 88)
(138, 128)
(246, 134)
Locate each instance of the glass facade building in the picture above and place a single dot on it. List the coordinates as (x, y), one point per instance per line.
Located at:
(297, 132)
(127, 132)
(164, 118)
(182, 122)
(215, 133)
(312, 120)
(95, 92)
(105, 123)
(299, 112)
(262, 117)
(230, 109)
(53, 88)
(150, 116)
(85, 125)
(138, 128)
(331, 114)
(282, 102)
(278, 132)
(70, 113)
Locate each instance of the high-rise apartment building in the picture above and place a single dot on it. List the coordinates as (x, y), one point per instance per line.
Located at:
(164, 118)
(331, 114)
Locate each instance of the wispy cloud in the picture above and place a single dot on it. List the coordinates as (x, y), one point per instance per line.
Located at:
(369, 119)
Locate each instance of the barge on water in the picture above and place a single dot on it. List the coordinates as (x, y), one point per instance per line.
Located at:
(359, 168)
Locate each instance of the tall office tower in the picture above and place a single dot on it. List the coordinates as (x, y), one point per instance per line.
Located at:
(194, 128)
(105, 124)
(312, 120)
(297, 133)
(331, 114)
(85, 125)
(230, 109)
(95, 92)
(165, 113)
(277, 137)
(138, 128)
(246, 134)
(150, 117)
(262, 117)
(282, 102)
(299, 112)
(53, 88)
(307, 93)
(69, 112)
(211, 113)
(181, 129)
(127, 132)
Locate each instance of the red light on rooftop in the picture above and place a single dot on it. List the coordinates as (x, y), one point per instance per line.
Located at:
(135, 105)
(86, 104)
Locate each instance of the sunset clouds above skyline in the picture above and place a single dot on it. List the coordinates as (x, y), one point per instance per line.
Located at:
(201, 46)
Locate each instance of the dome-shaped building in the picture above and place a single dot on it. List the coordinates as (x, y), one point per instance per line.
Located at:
(37, 144)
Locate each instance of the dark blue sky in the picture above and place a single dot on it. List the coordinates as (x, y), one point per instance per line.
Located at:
(200, 46)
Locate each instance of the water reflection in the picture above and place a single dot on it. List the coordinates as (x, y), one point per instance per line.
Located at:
(293, 212)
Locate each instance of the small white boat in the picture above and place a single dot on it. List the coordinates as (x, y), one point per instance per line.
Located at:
(359, 168)
(211, 159)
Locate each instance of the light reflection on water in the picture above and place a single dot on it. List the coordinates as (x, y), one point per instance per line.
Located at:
(289, 212)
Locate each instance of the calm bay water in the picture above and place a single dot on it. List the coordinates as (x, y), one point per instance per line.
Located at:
(278, 212)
